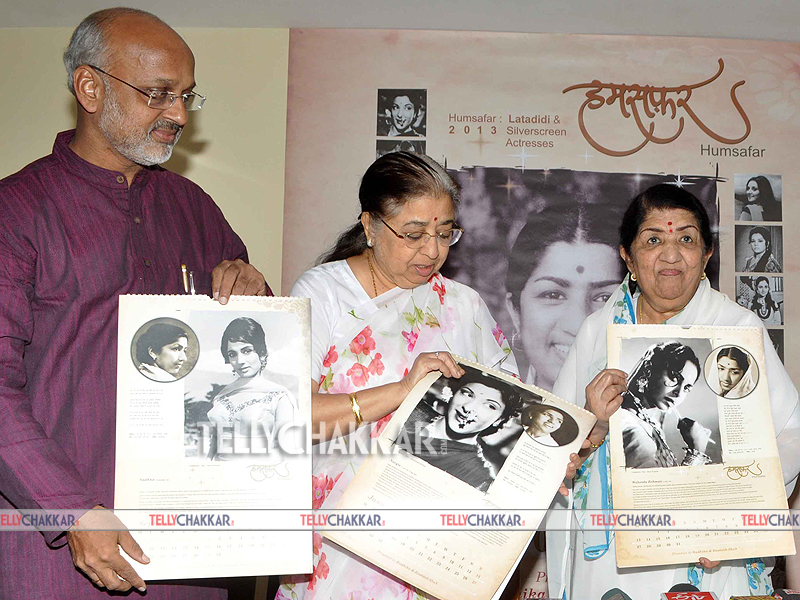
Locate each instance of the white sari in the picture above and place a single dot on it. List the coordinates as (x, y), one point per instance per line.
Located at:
(358, 343)
(581, 565)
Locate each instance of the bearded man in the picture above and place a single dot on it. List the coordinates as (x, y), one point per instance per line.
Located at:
(95, 219)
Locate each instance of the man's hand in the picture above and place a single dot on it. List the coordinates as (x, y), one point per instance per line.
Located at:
(236, 277)
(96, 553)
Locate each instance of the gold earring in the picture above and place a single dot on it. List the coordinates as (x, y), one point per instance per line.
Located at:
(633, 277)
(703, 276)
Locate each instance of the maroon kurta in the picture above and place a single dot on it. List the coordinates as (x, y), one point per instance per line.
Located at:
(73, 237)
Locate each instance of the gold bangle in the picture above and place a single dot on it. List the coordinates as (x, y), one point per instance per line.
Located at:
(356, 409)
(595, 446)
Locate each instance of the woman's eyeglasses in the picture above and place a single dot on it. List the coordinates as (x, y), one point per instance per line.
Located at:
(418, 239)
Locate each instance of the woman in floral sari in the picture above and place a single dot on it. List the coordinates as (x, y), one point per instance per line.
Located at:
(383, 318)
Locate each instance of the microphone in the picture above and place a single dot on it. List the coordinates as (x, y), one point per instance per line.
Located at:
(615, 594)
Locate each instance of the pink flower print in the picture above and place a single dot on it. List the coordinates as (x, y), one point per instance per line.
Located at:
(317, 543)
(376, 366)
(363, 343)
(340, 384)
(321, 571)
(380, 426)
(331, 357)
(411, 338)
(448, 319)
(438, 287)
(498, 335)
(321, 486)
(379, 584)
(359, 374)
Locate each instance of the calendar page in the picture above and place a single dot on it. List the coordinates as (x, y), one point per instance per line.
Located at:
(213, 408)
(694, 432)
(482, 441)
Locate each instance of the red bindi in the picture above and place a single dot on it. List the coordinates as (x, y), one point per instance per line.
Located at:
(437, 218)
(670, 224)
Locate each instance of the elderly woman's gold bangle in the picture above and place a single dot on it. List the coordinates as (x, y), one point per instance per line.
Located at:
(596, 446)
(356, 409)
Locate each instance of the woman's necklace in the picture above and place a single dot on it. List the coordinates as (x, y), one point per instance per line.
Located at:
(372, 273)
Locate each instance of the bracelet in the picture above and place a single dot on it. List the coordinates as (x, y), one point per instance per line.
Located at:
(596, 446)
(356, 409)
(694, 457)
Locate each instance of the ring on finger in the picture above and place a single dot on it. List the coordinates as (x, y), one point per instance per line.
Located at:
(436, 354)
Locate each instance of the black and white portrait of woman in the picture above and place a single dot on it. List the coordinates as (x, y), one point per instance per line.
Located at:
(241, 401)
(448, 426)
(161, 350)
(731, 372)
(759, 249)
(763, 295)
(402, 112)
(669, 415)
(564, 266)
(758, 197)
(251, 406)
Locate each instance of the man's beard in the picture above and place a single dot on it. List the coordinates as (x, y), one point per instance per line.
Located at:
(133, 144)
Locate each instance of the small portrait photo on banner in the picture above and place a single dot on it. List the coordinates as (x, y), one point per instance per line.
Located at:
(757, 197)
(759, 248)
(402, 112)
(763, 295)
(776, 336)
(386, 146)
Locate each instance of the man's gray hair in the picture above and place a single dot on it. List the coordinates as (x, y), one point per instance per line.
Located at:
(88, 45)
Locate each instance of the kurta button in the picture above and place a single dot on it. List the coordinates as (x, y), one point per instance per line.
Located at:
(137, 220)
(120, 179)
(147, 262)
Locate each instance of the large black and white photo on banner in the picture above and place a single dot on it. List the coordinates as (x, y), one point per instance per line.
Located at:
(542, 249)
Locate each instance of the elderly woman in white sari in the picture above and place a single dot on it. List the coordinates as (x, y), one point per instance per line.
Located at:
(666, 242)
(383, 318)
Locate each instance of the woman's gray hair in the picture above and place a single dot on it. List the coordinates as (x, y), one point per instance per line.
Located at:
(88, 45)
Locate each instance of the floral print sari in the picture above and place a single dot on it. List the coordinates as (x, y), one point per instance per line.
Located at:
(365, 343)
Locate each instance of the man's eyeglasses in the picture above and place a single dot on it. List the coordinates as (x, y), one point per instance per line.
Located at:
(161, 100)
(418, 239)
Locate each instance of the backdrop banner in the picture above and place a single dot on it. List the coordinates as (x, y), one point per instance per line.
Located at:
(550, 137)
